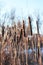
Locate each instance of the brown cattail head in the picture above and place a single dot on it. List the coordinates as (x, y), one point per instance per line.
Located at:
(29, 19)
(15, 37)
(3, 31)
(28, 39)
(24, 28)
(38, 52)
(21, 34)
(23, 25)
(30, 24)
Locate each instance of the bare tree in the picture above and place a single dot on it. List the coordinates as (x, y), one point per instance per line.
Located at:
(12, 16)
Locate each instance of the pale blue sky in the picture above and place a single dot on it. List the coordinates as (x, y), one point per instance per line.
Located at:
(23, 8)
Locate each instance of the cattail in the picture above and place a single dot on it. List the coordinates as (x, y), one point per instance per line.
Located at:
(2, 31)
(17, 45)
(23, 25)
(20, 35)
(15, 37)
(24, 28)
(28, 39)
(30, 25)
